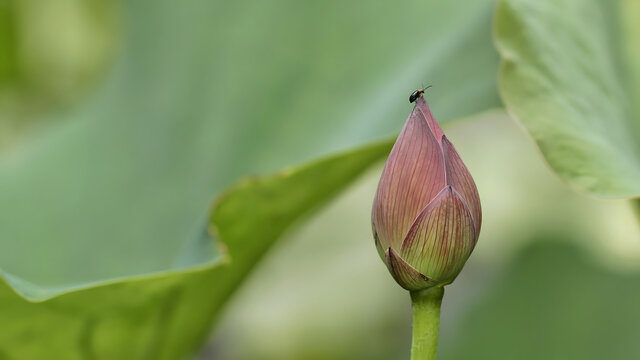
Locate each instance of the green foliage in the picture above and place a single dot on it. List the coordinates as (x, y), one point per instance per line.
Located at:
(51, 53)
(166, 315)
(159, 317)
(570, 75)
(124, 182)
(255, 212)
(554, 302)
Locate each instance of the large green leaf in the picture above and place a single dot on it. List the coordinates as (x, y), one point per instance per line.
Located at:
(553, 302)
(165, 316)
(570, 74)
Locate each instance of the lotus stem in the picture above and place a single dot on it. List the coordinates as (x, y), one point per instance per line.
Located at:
(425, 305)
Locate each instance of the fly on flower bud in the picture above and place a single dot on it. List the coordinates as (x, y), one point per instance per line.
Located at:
(426, 213)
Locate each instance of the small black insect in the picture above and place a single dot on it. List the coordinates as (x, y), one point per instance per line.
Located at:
(416, 94)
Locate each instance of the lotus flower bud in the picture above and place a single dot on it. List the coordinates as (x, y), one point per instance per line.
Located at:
(426, 213)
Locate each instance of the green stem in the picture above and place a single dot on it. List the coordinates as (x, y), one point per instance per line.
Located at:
(426, 322)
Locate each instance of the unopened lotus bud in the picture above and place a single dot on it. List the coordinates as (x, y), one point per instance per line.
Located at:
(426, 213)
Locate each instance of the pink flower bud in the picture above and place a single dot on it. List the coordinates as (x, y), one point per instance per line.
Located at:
(426, 213)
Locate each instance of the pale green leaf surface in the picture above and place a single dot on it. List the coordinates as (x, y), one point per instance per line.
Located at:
(570, 75)
(165, 316)
(205, 92)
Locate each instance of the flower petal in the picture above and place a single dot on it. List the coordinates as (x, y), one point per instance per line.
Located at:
(459, 177)
(379, 246)
(442, 238)
(421, 105)
(412, 176)
(404, 274)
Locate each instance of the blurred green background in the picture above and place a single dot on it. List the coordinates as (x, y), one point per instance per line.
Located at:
(122, 122)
